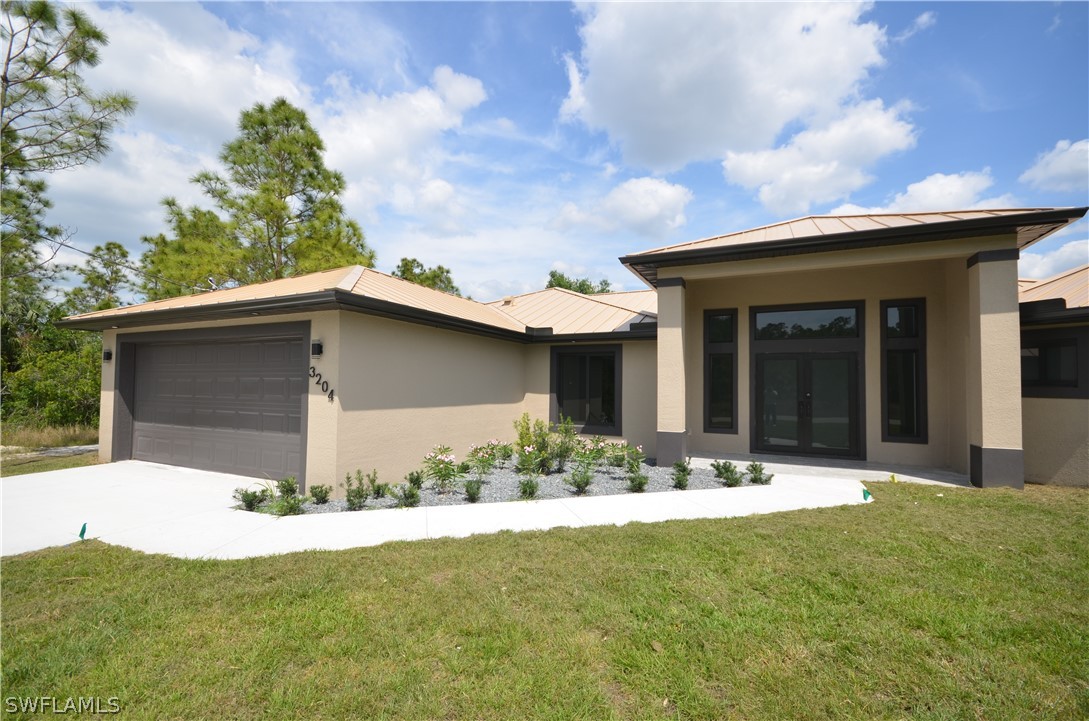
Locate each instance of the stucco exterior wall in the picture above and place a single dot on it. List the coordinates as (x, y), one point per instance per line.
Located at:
(1056, 438)
(870, 284)
(404, 388)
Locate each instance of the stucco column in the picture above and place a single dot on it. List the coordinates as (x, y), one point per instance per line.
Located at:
(994, 371)
(672, 443)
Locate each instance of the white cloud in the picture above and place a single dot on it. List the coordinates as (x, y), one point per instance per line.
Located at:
(922, 22)
(646, 206)
(941, 191)
(1063, 168)
(747, 71)
(825, 164)
(1044, 265)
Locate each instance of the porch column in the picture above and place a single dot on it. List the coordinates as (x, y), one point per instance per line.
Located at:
(672, 426)
(994, 371)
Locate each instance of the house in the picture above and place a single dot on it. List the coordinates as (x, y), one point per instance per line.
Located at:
(890, 338)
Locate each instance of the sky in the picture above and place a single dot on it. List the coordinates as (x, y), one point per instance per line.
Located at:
(506, 140)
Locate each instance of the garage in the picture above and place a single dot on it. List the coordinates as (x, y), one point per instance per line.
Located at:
(229, 404)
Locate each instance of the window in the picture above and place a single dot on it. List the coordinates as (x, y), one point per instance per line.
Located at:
(1055, 363)
(807, 323)
(586, 388)
(720, 371)
(903, 371)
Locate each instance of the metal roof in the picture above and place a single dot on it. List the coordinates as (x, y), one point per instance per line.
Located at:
(819, 233)
(1072, 286)
(569, 313)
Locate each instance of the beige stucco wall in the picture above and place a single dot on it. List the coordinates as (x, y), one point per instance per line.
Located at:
(322, 416)
(1056, 437)
(994, 356)
(404, 388)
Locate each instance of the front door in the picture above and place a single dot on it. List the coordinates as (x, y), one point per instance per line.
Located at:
(807, 403)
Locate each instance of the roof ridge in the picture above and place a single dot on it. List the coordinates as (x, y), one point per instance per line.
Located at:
(584, 296)
(1061, 274)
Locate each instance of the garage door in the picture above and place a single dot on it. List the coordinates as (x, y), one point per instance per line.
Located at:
(234, 407)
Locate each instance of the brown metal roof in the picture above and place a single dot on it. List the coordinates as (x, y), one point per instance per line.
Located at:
(837, 232)
(1072, 286)
(569, 313)
(639, 301)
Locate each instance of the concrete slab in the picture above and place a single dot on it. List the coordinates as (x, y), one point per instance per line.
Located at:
(190, 514)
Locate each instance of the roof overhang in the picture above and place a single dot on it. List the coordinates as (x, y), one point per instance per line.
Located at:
(1028, 227)
(1052, 311)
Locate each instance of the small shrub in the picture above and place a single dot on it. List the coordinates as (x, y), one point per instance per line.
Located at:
(598, 448)
(482, 459)
(527, 487)
(355, 491)
(564, 443)
(757, 475)
(415, 479)
(616, 454)
(637, 481)
(442, 468)
(681, 471)
(287, 506)
(633, 460)
(531, 460)
(503, 451)
(464, 468)
(533, 433)
(472, 490)
(251, 498)
(408, 496)
(320, 494)
(287, 487)
(727, 473)
(581, 478)
(377, 490)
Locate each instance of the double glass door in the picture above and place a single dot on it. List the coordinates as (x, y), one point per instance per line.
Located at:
(807, 403)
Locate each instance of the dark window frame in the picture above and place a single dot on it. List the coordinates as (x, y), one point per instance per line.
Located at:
(1036, 337)
(719, 348)
(617, 351)
(917, 344)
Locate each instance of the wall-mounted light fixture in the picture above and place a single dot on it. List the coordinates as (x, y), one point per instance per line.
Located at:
(107, 355)
(316, 349)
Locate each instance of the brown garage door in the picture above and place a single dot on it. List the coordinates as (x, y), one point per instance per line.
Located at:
(224, 406)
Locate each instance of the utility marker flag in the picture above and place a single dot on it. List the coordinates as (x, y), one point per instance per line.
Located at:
(82, 531)
(866, 495)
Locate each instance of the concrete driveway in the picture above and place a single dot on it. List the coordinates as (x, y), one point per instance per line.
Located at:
(190, 514)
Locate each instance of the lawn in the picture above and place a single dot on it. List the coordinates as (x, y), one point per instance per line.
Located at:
(930, 603)
(15, 466)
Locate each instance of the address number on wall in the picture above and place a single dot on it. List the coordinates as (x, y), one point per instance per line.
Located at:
(324, 385)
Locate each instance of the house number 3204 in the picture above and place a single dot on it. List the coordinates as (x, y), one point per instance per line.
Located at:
(324, 385)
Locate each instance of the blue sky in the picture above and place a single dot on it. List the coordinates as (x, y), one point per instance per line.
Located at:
(505, 140)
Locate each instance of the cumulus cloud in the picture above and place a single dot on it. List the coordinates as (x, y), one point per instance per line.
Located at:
(825, 164)
(922, 22)
(1044, 265)
(646, 206)
(748, 70)
(1063, 168)
(940, 191)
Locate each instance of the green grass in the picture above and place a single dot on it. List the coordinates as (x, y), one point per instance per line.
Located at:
(36, 464)
(48, 437)
(969, 605)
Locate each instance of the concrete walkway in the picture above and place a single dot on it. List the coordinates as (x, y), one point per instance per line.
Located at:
(189, 514)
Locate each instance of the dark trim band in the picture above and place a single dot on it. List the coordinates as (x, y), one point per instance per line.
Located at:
(990, 256)
(671, 283)
(996, 467)
(671, 446)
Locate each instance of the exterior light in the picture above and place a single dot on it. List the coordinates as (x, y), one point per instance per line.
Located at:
(316, 349)
(107, 355)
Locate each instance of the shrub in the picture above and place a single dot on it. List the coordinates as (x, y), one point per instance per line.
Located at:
(598, 448)
(377, 490)
(564, 443)
(355, 492)
(633, 459)
(464, 468)
(320, 494)
(581, 478)
(442, 468)
(533, 433)
(503, 451)
(616, 454)
(415, 479)
(531, 460)
(472, 490)
(482, 459)
(637, 481)
(757, 475)
(527, 487)
(251, 498)
(681, 471)
(287, 506)
(287, 487)
(727, 473)
(408, 496)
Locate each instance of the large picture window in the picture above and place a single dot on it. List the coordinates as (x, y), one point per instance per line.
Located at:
(720, 371)
(1055, 363)
(903, 371)
(586, 388)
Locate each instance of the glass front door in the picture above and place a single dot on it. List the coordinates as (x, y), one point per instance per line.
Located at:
(807, 403)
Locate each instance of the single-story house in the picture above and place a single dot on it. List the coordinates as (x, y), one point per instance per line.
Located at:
(893, 338)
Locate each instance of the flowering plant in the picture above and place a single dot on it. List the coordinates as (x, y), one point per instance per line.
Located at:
(441, 467)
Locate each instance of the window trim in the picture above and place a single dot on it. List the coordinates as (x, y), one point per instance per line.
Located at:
(917, 344)
(1035, 337)
(719, 348)
(617, 350)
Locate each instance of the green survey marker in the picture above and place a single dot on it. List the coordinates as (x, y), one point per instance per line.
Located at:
(866, 495)
(82, 531)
